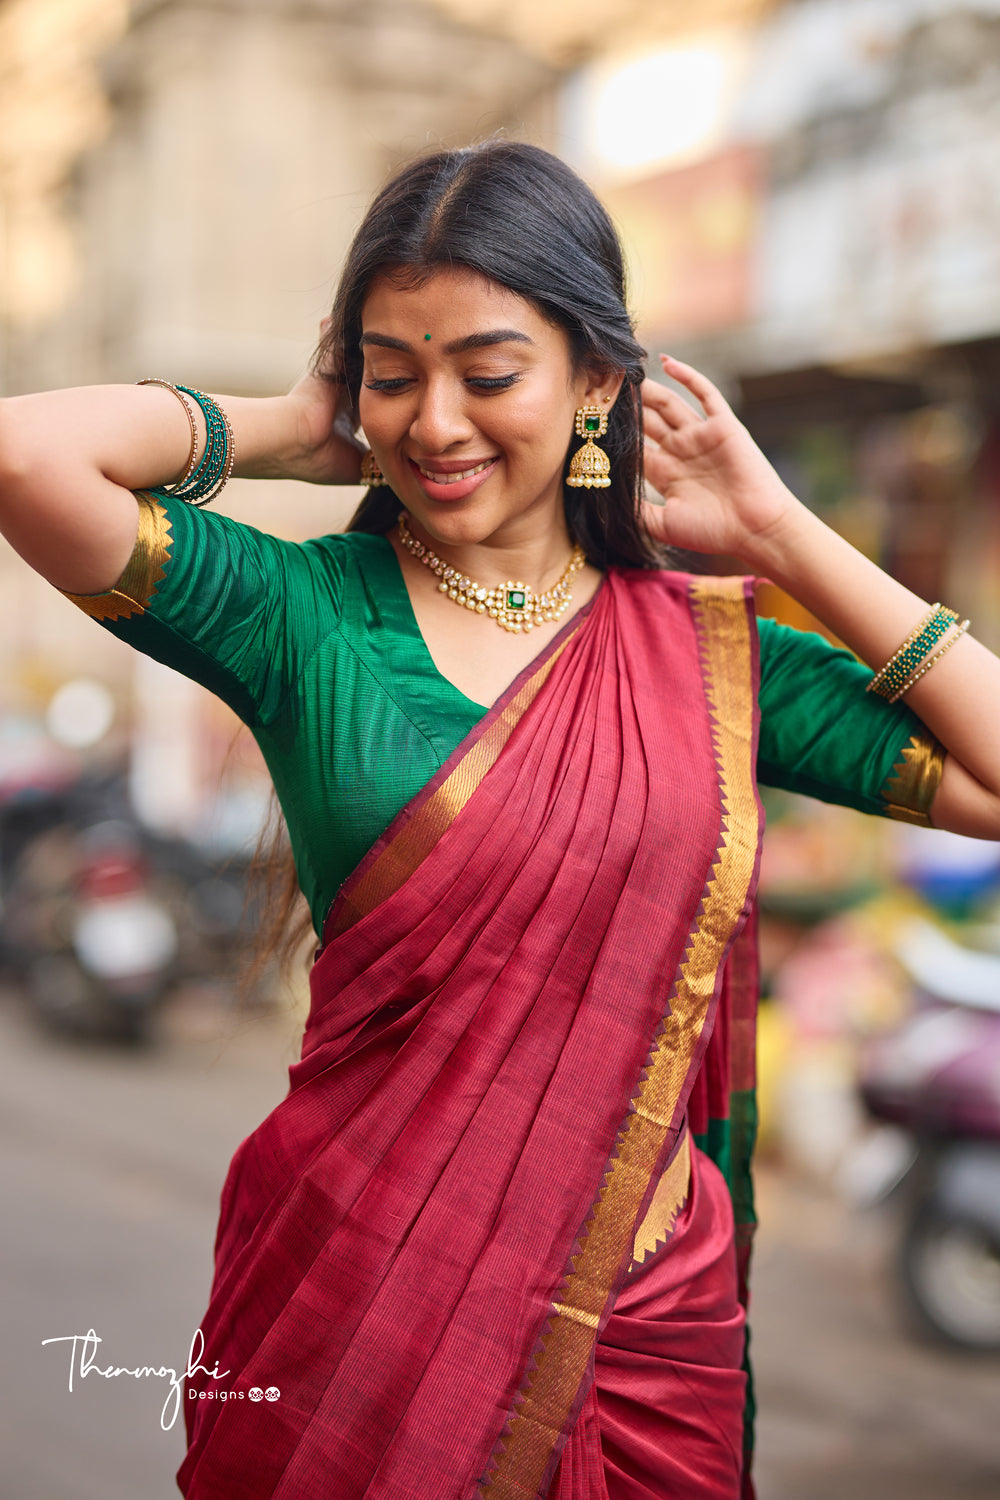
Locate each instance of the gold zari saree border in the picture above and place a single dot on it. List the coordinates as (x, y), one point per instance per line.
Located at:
(668, 1200)
(564, 1350)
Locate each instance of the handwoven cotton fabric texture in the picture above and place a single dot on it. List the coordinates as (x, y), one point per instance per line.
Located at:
(426, 1241)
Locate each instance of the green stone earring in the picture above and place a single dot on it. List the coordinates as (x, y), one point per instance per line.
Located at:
(371, 474)
(590, 466)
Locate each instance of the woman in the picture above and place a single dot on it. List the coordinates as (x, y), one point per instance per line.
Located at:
(487, 1244)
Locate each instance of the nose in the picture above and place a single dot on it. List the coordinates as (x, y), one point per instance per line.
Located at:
(440, 421)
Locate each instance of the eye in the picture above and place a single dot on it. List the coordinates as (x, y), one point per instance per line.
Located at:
(395, 384)
(493, 382)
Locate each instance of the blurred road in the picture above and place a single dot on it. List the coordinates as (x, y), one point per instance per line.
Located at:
(850, 1404)
(110, 1169)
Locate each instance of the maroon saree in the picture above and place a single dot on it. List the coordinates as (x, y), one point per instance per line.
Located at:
(483, 1164)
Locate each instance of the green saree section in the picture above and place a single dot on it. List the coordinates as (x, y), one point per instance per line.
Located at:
(733, 1161)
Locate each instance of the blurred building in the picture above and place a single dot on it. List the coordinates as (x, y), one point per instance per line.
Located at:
(242, 141)
(812, 205)
(179, 180)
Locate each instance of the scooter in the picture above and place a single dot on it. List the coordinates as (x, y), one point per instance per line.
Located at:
(933, 1084)
(97, 945)
(101, 918)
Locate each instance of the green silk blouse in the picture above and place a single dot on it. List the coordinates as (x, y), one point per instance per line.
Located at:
(315, 646)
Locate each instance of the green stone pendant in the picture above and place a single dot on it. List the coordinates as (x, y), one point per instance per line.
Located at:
(515, 599)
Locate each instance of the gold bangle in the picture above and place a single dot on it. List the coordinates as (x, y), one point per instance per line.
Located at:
(926, 666)
(189, 410)
(911, 653)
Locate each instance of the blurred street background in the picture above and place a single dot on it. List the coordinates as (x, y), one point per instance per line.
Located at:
(809, 194)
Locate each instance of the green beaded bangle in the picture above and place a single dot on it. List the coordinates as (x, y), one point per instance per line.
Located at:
(208, 478)
(931, 661)
(911, 658)
(911, 653)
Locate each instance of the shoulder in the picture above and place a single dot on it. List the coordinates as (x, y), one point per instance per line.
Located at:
(660, 586)
(342, 549)
(343, 555)
(687, 613)
(200, 554)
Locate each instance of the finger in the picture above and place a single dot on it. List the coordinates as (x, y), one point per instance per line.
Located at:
(653, 425)
(331, 365)
(659, 521)
(654, 520)
(655, 511)
(669, 422)
(660, 470)
(671, 406)
(657, 396)
(699, 385)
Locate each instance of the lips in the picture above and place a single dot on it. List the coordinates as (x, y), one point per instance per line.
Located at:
(450, 481)
(443, 476)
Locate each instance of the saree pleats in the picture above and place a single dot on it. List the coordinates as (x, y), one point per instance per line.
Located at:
(581, 1474)
(670, 1391)
(421, 1245)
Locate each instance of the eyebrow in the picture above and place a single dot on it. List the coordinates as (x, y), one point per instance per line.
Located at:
(458, 346)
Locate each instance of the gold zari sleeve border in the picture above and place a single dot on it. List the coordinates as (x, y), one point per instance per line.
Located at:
(916, 776)
(143, 571)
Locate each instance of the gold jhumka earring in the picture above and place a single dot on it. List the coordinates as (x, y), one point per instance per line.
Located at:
(371, 474)
(590, 467)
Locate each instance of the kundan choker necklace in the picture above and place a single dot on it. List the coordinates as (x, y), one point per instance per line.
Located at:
(514, 606)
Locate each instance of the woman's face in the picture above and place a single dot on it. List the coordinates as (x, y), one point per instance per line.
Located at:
(468, 400)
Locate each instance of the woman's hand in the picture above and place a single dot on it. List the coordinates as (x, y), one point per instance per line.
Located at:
(308, 434)
(721, 494)
(326, 451)
(70, 460)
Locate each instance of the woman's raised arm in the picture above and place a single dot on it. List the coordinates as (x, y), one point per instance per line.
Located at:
(69, 460)
(723, 496)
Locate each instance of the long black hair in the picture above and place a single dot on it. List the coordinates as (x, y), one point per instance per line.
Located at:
(523, 219)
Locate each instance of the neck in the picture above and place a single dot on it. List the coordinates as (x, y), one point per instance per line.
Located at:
(536, 557)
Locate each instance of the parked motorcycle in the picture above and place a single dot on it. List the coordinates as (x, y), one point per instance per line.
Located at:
(97, 945)
(934, 1085)
(100, 918)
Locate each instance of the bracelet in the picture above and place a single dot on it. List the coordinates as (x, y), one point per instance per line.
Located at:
(959, 631)
(203, 483)
(912, 652)
(189, 413)
(210, 477)
(218, 456)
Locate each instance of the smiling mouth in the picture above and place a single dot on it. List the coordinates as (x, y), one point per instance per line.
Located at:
(437, 477)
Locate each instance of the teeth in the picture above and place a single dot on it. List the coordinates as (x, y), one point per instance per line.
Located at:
(453, 478)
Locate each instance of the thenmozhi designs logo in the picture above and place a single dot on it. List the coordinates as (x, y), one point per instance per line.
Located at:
(83, 1362)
